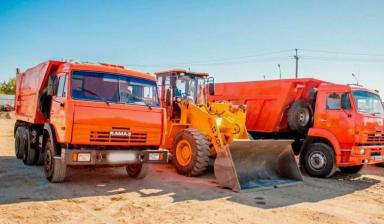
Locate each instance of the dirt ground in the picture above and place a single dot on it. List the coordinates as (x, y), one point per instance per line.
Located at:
(109, 196)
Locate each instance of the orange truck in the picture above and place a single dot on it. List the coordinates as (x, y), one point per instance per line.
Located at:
(74, 114)
(334, 126)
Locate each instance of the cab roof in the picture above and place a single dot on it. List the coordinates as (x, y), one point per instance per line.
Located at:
(181, 71)
(108, 68)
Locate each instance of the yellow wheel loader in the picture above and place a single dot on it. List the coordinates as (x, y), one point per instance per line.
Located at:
(198, 130)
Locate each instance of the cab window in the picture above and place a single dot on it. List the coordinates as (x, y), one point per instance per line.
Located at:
(334, 102)
(62, 90)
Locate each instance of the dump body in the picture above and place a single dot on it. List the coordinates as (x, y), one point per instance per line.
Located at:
(335, 116)
(267, 101)
(93, 112)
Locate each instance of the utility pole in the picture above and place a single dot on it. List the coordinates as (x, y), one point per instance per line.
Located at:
(280, 70)
(297, 62)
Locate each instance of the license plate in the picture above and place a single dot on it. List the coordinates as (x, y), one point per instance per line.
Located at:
(376, 158)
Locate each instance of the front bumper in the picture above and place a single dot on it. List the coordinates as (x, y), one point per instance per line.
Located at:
(114, 157)
(373, 154)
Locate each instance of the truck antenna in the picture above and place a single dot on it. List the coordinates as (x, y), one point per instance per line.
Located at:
(279, 69)
(355, 79)
(297, 63)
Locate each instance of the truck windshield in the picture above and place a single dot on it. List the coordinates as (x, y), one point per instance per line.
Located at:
(368, 102)
(113, 88)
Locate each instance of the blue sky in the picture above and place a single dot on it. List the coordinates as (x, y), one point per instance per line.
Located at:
(161, 35)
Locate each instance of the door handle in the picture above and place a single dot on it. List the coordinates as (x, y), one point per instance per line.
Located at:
(322, 120)
(52, 112)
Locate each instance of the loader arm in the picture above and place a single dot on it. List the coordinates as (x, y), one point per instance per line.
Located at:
(219, 122)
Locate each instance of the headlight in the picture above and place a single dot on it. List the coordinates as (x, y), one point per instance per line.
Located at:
(155, 156)
(84, 157)
(360, 151)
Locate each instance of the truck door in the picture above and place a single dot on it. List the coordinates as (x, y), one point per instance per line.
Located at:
(58, 108)
(340, 121)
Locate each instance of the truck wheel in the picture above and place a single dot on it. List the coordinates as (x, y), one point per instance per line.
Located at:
(40, 156)
(300, 116)
(319, 160)
(18, 142)
(380, 164)
(29, 153)
(54, 170)
(138, 171)
(353, 169)
(190, 152)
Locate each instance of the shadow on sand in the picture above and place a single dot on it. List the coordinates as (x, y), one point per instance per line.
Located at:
(20, 183)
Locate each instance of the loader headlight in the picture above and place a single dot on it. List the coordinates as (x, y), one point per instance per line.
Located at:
(360, 151)
(178, 99)
(155, 156)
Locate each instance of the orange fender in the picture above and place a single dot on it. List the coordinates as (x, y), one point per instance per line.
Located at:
(323, 133)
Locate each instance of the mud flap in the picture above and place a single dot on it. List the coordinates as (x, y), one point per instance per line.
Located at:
(260, 164)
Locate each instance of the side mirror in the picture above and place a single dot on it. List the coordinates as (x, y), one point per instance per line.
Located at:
(173, 82)
(345, 101)
(52, 85)
(211, 85)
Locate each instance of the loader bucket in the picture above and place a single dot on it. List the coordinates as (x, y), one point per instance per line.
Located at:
(260, 164)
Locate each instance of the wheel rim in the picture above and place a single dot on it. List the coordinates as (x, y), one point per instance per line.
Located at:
(303, 116)
(183, 152)
(317, 160)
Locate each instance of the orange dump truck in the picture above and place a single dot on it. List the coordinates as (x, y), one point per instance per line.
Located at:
(333, 125)
(72, 114)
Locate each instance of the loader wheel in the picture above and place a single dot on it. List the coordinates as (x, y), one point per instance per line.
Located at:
(18, 142)
(138, 171)
(300, 116)
(353, 169)
(190, 152)
(29, 153)
(319, 160)
(54, 170)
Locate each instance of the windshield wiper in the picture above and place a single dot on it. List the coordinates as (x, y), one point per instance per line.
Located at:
(92, 93)
(136, 97)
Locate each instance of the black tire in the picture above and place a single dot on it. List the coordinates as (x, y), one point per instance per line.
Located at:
(380, 164)
(29, 153)
(353, 169)
(44, 102)
(319, 160)
(138, 171)
(40, 156)
(250, 137)
(54, 170)
(18, 142)
(199, 149)
(300, 116)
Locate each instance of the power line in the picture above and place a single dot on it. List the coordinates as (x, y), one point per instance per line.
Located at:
(219, 63)
(344, 59)
(209, 61)
(335, 52)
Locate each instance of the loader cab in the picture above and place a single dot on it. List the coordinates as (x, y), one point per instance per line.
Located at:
(177, 85)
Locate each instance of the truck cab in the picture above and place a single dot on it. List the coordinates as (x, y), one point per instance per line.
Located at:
(77, 114)
(351, 118)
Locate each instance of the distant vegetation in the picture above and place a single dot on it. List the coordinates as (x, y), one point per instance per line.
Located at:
(8, 87)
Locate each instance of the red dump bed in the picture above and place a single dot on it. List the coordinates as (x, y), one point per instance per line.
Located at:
(267, 101)
(28, 86)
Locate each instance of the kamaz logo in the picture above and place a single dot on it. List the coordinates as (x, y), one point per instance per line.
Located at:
(120, 133)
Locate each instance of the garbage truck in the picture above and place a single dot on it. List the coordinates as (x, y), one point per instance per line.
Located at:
(88, 115)
(334, 126)
(199, 132)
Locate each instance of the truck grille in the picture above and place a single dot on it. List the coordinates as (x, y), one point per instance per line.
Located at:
(104, 136)
(376, 137)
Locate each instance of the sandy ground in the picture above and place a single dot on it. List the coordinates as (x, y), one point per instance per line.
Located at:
(109, 196)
